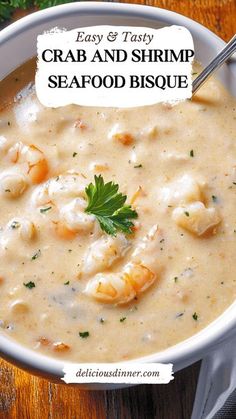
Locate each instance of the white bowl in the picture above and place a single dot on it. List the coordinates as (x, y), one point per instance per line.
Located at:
(18, 44)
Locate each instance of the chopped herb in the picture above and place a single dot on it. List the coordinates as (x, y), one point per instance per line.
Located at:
(102, 320)
(84, 334)
(42, 210)
(30, 285)
(191, 153)
(162, 240)
(107, 204)
(69, 250)
(169, 206)
(8, 123)
(234, 183)
(175, 278)
(222, 282)
(186, 213)
(57, 178)
(7, 190)
(195, 316)
(36, 255)
(234, 231)
(138, 166)
(74, 154)
(214, 198)
(194, 74)
(66, 283)
(15, 224)
(122, 319)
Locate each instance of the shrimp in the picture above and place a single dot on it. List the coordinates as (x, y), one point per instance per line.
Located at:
(103, 253)
(66, 194)
(18, 234)
(12, 184)
(190, 212)
(31, 160)
(74, 217)
(196, 218)
(135, 277)
(29, 167)
(59, 189)
(183, 190)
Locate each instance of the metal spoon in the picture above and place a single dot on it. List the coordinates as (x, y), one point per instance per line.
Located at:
(216, 63)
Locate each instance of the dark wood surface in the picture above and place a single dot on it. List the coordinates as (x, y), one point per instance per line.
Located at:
(23, 396)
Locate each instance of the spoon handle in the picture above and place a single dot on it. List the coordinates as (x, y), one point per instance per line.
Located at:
(216, 63)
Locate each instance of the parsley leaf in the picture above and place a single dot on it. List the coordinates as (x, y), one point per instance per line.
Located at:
(36, 255)
(84, 335)
(42, 210)
(122, 319)
(30, 285)
(107, 204)
(195, 316)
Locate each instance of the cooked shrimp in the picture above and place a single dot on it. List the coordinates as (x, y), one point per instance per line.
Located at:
(65, 193)
(59, 189)
(12, 184)
(196, 218)
(103, 253)
(183, 190)
(135, 277)
(110, 288)
(17, 233)
(31, 160)
(74, 217)
(122, 287)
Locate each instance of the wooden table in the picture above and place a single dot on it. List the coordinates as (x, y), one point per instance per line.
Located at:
(23, 396)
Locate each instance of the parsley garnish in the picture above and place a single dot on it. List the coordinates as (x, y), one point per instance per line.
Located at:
(84, 334)
(30, 285)
(15, 224)
(122, 319)
(214, 198)
(66, 283)
(195, 316)
(75, 154)
(138, 166)
(186, 213)
(107, 205)
(191, 153)
(36, 255)
(42, 210)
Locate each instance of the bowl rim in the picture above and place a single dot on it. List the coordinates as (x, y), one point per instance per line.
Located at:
(217, 330)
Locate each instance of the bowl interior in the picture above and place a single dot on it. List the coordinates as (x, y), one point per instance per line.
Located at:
(18, 44)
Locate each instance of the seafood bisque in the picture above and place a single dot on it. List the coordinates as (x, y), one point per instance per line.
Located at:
(118, 226)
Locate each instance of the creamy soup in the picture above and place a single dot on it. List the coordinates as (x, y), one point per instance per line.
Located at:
(68, 288)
